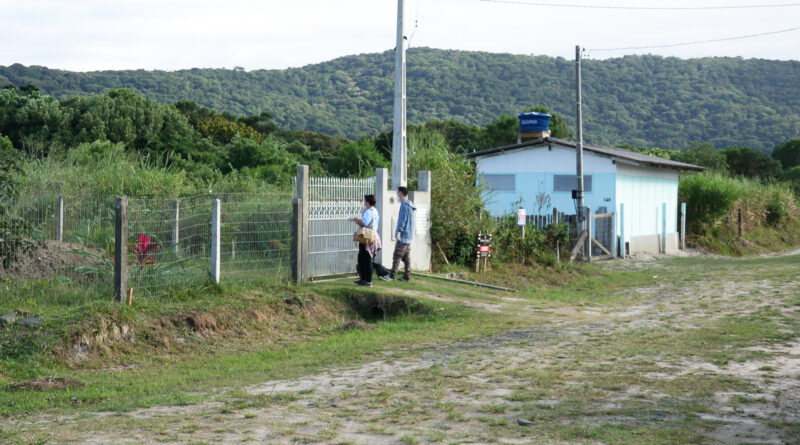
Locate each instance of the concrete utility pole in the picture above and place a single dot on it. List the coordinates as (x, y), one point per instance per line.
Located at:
(399, 147)
(579, 132)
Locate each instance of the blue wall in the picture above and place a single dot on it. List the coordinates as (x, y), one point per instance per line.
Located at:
(528, 185)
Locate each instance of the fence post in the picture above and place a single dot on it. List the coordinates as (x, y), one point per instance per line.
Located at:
(739, 223)
(683, 226)
(216, 215)
(60, 220)
(588, 234)
(297, 234)
(622, 230)
(120, 248)
(613, 237)
(303, 197)
(176, 227)
(663, 227)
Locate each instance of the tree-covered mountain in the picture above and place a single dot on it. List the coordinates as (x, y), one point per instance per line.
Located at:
(638, 100)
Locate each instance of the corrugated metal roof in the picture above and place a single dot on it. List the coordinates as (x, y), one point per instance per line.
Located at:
(619, 153)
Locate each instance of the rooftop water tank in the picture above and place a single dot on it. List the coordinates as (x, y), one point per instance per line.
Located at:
(534, 121)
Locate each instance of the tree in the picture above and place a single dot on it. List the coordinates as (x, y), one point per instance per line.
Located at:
(751, 163)
(15, 233)
(788, 153)
(357, 159)
(703, 154)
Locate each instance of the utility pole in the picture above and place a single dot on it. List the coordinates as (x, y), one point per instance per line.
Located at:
(579, 141)
(399, 141)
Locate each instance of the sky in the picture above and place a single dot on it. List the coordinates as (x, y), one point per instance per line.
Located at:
(87, 35)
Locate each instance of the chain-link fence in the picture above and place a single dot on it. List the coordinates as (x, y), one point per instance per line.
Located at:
(168, 240)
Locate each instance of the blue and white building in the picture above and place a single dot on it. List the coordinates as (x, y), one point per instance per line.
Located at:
(516, 175)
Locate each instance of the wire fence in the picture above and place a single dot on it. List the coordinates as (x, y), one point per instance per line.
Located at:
(168, 239)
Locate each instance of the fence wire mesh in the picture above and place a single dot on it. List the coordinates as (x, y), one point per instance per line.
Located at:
(71, 238)
(168, 241)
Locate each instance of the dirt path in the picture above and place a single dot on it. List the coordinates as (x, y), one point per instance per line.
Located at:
(712, 358)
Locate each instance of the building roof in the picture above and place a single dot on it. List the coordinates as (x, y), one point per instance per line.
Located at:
(616, 153)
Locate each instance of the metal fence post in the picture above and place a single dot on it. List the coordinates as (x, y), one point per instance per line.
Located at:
(622, 230)
(176, 224)
(215, 240)
(588, 234)
(60, 220)
(120, 248)
(683, 226)
(663, 227)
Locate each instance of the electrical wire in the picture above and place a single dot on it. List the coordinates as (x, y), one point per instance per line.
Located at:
(698, 42)
(645, 8)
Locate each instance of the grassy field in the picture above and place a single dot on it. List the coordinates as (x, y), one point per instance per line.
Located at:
(682, 350)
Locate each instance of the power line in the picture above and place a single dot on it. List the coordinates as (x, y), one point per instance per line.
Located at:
(644, 8)
(698, 42)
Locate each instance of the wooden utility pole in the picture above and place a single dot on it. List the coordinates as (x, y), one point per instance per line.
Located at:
(399, 140)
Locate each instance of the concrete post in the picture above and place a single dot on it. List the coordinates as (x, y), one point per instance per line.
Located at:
(613, 237)
(120, 248)
(216, 223)
(60, 220)
(176, 227)
(424, 181)
(683, 226)
(297, 235)
(303, 199)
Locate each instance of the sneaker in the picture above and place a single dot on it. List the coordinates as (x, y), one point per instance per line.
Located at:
(365, 283)
(386, 278)
(403, 279)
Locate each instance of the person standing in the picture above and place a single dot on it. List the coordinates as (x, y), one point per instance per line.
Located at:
(404, 235)
(369, 218)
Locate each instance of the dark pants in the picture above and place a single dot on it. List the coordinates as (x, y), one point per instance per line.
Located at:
(402, 252)
(364, 264)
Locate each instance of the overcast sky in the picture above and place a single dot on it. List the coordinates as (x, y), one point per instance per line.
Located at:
(86, 35)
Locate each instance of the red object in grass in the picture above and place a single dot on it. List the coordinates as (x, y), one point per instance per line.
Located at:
(484, 248)
(145, 250)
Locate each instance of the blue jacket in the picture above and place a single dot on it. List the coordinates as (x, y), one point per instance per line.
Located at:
(405, 222)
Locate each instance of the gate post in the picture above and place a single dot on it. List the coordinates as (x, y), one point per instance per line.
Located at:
(176, 225)
(297, 234)
(303, 199)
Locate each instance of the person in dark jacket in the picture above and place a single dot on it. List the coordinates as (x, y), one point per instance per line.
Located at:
(404, 235)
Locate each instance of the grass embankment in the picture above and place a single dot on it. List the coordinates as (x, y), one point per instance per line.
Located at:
(171, 350)
(738, 216)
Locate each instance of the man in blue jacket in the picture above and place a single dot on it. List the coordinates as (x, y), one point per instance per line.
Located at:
(404, 234)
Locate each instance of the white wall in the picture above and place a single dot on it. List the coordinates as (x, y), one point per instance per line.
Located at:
(643, 190)
(559, 160)
(389, 209)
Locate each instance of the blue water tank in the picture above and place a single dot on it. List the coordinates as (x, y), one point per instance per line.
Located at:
(534, 121)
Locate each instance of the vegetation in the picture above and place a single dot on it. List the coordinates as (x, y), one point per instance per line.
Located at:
(732, 214)
(641, 100)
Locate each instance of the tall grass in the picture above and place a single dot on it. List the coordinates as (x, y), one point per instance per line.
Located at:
(714, 204)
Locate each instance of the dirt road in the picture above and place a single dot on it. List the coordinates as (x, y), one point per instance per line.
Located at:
(709, 354)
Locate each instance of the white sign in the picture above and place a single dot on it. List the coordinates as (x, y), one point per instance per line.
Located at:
(521, 217)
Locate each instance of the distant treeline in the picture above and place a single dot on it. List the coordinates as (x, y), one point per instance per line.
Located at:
(637, 100)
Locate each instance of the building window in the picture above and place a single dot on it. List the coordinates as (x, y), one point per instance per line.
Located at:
(500, 183)
(568, 183)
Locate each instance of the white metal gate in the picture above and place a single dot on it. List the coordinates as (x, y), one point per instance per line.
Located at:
(331, 204)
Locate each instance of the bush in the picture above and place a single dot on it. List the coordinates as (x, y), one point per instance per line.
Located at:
(715, 201)
(15, 233)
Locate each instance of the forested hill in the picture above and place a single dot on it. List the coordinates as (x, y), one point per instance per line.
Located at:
(640, 100)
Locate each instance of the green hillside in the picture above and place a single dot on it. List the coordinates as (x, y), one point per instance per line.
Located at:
(640, 100)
